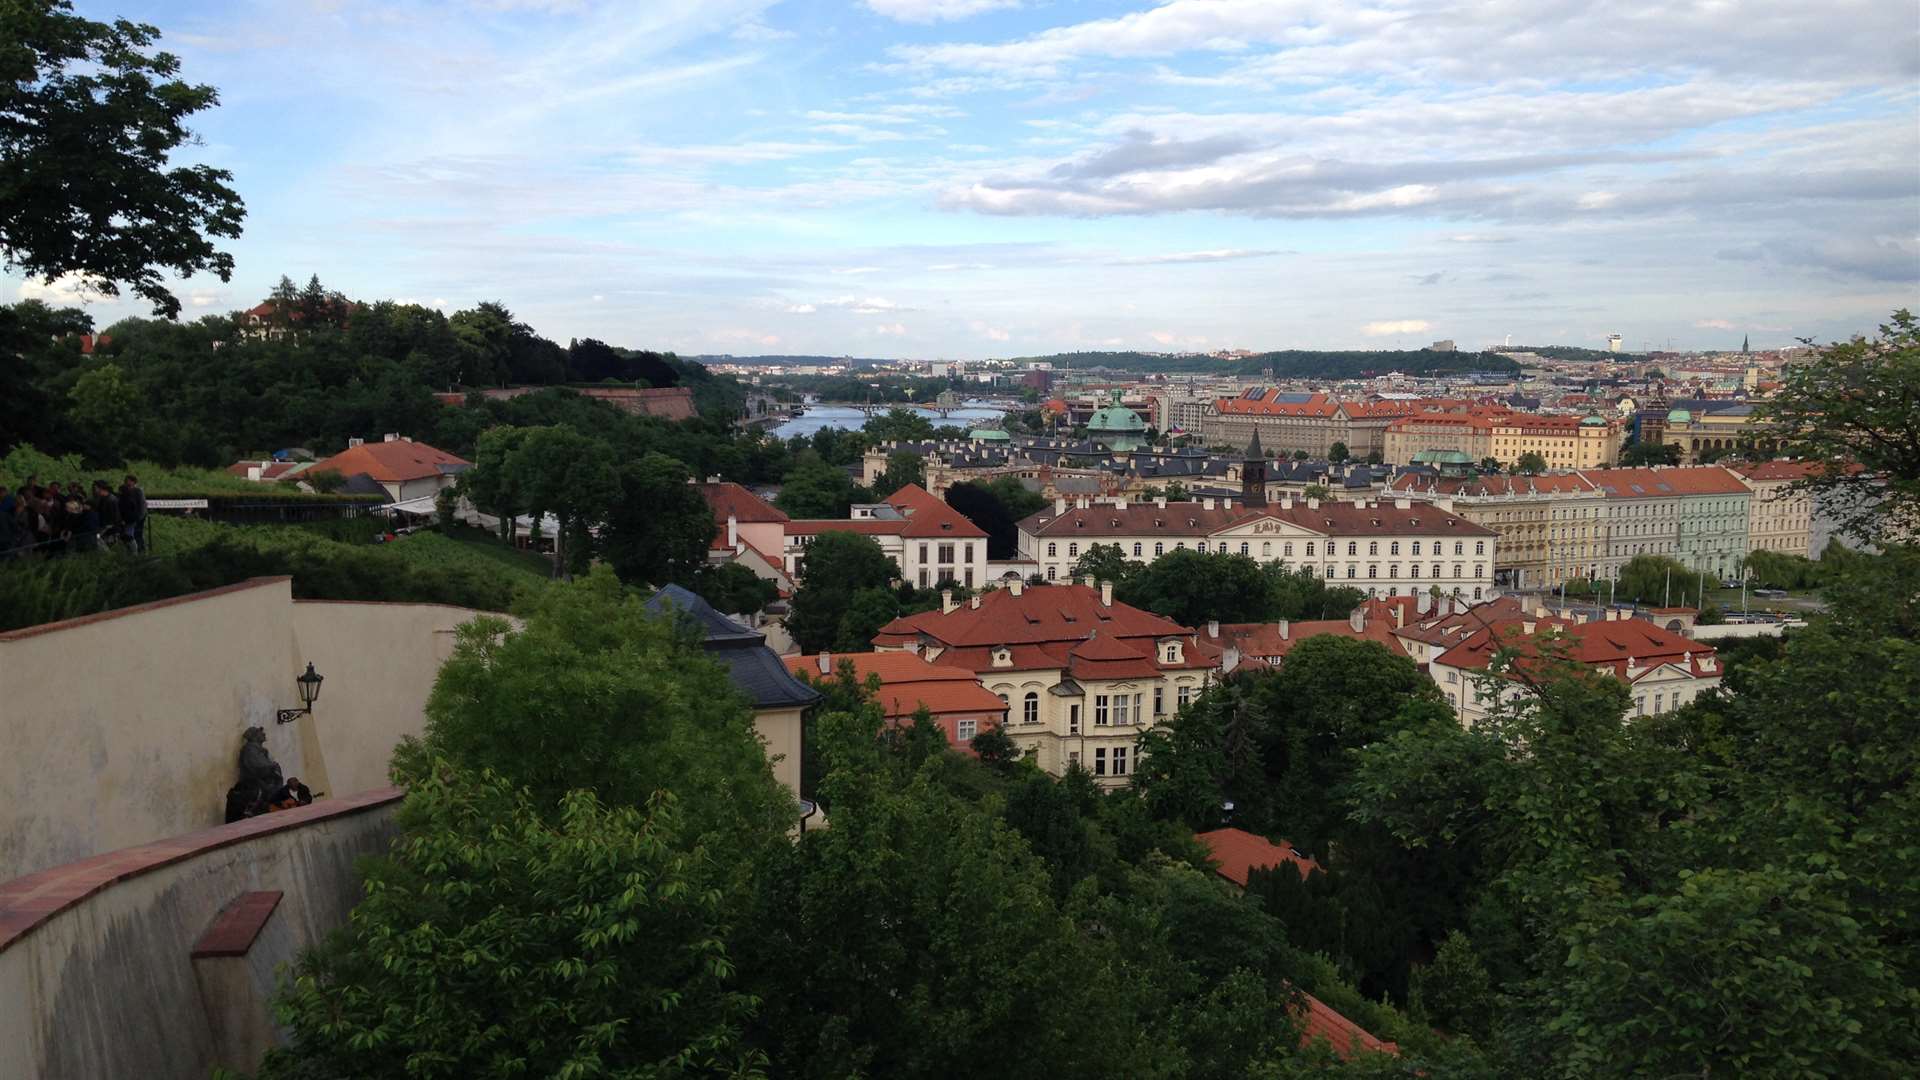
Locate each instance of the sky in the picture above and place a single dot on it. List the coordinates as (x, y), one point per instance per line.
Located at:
(989, 178)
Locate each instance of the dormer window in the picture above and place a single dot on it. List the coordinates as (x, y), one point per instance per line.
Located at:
(1003, 657)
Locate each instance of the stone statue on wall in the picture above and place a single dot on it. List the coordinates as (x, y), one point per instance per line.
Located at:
(259, 777)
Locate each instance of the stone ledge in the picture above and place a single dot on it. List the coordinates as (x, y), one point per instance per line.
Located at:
(27, 902)
(236, 926)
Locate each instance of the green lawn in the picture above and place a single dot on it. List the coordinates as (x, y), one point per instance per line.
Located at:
(469, 546)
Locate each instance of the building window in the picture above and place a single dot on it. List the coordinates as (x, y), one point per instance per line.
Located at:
(1329, 569)
(1073, 759)
(946, 554)
(923, 577)
(1182, 696)
(1266, 550)
(1353, 548)
(1393, 571)
(1159, 701)
(1052, 550)
(1099, 761)
(1073, 719)
(1476, 592)
(1100, 710)
(1416, 547)
(1073, 550)
(1244, 549)
(965, 730)
(1136, 549)
(1373, 570)
(1459, 548)
(1479, 569)
(1050, 572)
(1121, 714)
(1309, 550)
(1479, 547)
(1436, 569)
(1159, 548)
(1030, 708)
(1373, 547)
(1350, 570)
(1659, 703)
(923, 553)
(1456, 569)
(1119, 761)
(1003, 700)
(1286, 549)
(1393, 548)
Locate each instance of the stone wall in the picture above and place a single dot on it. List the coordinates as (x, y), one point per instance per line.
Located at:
(96, 973)
(125, 727)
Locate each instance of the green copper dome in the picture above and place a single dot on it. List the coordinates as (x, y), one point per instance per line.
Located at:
(1679, 416)
(1117, 426)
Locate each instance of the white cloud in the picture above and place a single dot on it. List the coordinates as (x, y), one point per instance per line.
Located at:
(1387, 327)
(801, 309)
(1216, 255)
(930, 11)
(1713, 324)
(991, 333)
(890, 330)
(60, 292)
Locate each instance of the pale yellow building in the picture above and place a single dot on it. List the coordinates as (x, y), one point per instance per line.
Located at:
(1552, 528)
(1778, 519)
(1563, 442)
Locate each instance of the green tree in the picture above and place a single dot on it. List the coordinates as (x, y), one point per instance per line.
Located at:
(1454, 992)
(561, 472)
(108, 408)
(838, 566)
(898, 425)
(660, 527)
(493, 487)
(997, 508)
(1177, 492)
(1338, 452)
(733, 589)
(1105, 562)
(1851, 408)
(1658, 580)
(903, 467)
(1191, 588)
(1531, 464)
(1640, 454)
(645, 711)
(1317, 491)
(817, 491)
(88, 122)
(502, 938)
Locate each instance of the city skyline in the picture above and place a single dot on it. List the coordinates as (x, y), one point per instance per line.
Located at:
(977, 178)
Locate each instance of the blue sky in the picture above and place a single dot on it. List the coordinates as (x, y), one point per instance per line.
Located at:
(968, 178)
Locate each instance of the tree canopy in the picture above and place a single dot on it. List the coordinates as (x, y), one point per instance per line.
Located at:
(89, 120)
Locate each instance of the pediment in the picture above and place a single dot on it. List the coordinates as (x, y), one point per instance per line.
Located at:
(1266, 527)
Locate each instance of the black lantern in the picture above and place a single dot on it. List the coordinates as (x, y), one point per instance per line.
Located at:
(309, 685)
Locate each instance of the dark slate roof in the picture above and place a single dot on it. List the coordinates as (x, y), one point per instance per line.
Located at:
(753, 668)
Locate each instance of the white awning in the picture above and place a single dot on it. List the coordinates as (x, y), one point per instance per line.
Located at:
(422, 505)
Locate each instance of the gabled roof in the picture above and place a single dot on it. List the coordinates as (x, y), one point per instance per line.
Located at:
(1665, 480)
(1613, 645)
(393, 462)
(1237, 852)
(1762, 471)
(752, 667)
(1264, 640)
(1039, 614)
(923, 516)
(907, 682)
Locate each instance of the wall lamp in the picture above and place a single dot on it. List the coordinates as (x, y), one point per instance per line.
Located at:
(309, 691)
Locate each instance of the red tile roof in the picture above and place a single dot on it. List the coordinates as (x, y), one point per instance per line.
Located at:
(907, 682)
(1778, 470)
(924, 517)
(1264, 640)
(1546, 484)
(390, 462)
(1041, 613)
(1669, 480)
(1238, 852)
(269, 470)
(1604, 645)
(1319, 1021)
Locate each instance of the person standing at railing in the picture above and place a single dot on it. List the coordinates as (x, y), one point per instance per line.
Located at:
(83, 524)
(106, 507)
(133, 514)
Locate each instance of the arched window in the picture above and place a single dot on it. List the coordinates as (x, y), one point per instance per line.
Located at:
(1244, 549)
(1266, 549)
(1051, 571)
(1393, 548)
(1353, 548)
(1052, 550)
(1073, 549)
(1030, 708)
(1136, 549)
(1159, 547)
(1373, 547)
(1480, 547)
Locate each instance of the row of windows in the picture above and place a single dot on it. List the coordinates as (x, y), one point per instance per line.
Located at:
(1266, 548)
(1101, 759)
(1109, 710)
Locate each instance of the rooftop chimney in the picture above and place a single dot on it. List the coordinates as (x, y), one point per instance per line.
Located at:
(733, 532)
(1403, 504)
(1229, 659)
(1015, 586)
(1081, 502)
(947, 606)
(1527, 627)
(1106, 594)
(1284, 629)
(1358, 620)
(826, 663)
(1206, 503)
(1313, 504)
(1160, 502)
(1213, 628)
(1059, 506)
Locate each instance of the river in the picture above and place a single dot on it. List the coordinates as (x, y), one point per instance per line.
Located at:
(841, 416)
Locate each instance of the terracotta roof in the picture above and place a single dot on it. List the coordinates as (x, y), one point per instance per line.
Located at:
(907, 682)
(925, 516)
(392, 462)
(729, 499)
(1237, 852)
(269, 470)
(1671, 480)
(1478, 421)
(1191, 519)
(1471, 486)
(1778, 470)
(1604, 644)
(1319, 1021)
(1264, 641)
(1041, 613)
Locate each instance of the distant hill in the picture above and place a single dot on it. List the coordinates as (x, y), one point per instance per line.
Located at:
(1291, 363)
(788, 361)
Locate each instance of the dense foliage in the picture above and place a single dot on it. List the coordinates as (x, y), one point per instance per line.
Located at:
(1193, 588)
(116, 212)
